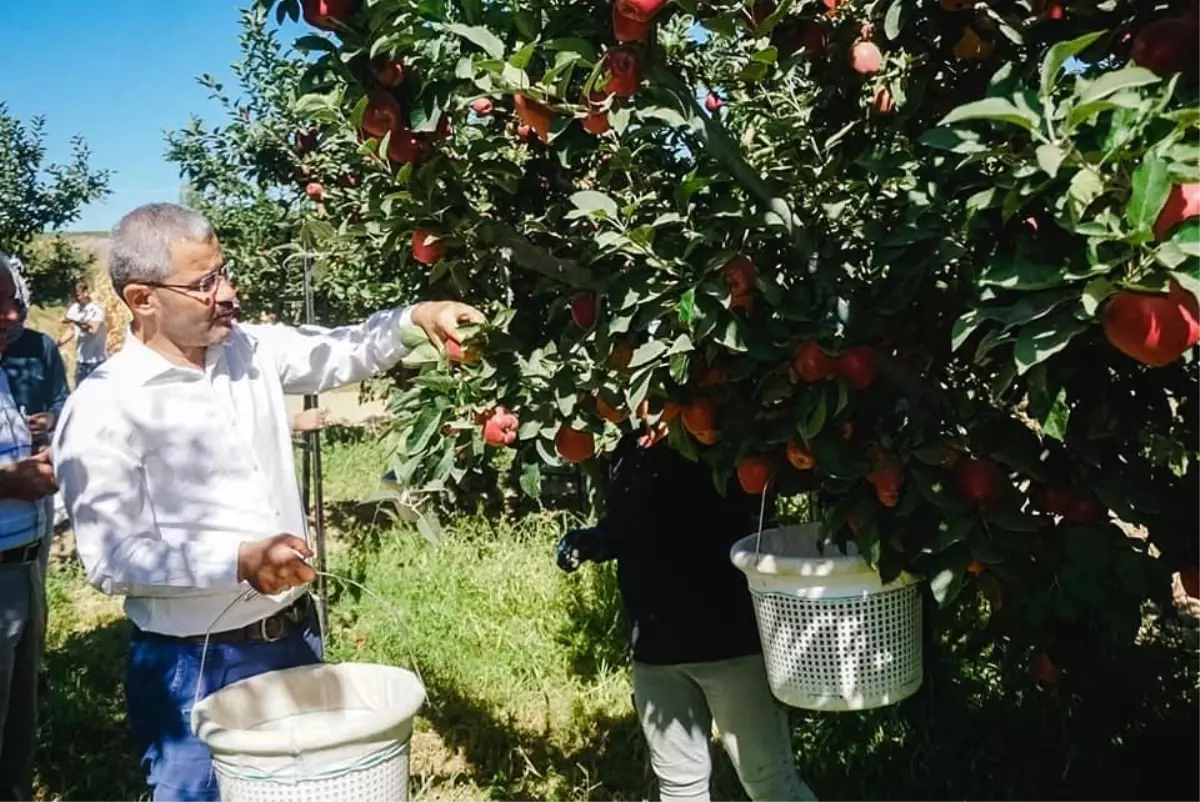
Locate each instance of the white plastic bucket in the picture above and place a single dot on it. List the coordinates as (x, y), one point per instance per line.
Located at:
(323, 732)
(834, 636)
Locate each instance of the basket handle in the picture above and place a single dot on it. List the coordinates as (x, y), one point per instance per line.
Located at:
(250, 593)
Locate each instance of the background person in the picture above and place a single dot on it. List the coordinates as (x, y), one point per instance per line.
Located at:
(26, 484)
(175, 459)
(86, 325)
(696, 653)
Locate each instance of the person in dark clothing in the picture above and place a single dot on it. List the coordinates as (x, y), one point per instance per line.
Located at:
(696, 653)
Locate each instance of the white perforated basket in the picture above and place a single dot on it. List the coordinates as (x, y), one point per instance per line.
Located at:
(319, 733)
(834, 636)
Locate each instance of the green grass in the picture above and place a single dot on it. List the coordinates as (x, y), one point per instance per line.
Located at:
(529, 693)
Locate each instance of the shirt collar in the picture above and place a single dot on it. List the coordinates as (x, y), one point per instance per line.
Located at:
(147, 366)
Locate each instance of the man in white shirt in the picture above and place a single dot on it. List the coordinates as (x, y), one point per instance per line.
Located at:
(175, 458)
(87, 327)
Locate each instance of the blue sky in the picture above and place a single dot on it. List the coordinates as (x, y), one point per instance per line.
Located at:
(119, 73)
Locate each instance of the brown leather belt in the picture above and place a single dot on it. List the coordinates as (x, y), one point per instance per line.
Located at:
(274, 627)
(21, 554)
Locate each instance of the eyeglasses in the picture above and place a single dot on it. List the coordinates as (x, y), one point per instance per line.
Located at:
(207, 285)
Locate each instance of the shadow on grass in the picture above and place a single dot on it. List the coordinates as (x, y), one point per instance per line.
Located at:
(606, 761)
(84, 746)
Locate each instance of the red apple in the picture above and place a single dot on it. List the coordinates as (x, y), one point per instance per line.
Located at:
(329, 15)
(811, 363)
(754, 474)
(573, 445)
(624, 76)
(315, 191)
(883, 101)
(382, 114)
(1153, 329)
(866, 58)
(390, 73)
(405, 147)
(712, 103)
(426, 248)
(306, 141)
(640, 10)
(583, 310)
(857, 367)
(1182, 204)
(628, 29)
(482, 106)
(980, 481)
(500, 427)
(1168, 46)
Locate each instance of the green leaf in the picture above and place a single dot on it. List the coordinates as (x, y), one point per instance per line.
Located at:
(687, 306)
(531, 479)
(479, 36)
(1050, 158)
(955, 140)
(647, 353)
(412, 336)
(1021, 274)
(893, 19)
(664, 115)
(1151, 185)
(591, 201)
(1058, 55)
(947, 584)
(1120, 100)
(1186, 237)
(995, 109)
(1085, 187)
(312, 42)
(1040, 342)
(815, 422)
(522, 57)
(1112, 82)
(1055, 422)
(1094, 294)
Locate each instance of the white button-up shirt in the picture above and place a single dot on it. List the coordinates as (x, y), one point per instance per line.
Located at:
(166, 470)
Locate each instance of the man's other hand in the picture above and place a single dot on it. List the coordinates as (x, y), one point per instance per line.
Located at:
(29, 479)
(440, 319)
(41, 424)
(275, 564)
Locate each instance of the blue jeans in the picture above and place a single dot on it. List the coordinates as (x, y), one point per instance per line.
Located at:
(160, 687)
(84, 369)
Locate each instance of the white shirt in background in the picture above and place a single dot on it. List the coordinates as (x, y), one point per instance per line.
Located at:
(167, 469)
(89, 345)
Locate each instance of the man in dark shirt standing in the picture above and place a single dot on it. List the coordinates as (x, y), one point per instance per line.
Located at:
(696, 651)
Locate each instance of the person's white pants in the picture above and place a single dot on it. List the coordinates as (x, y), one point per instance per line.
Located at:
(677, 705)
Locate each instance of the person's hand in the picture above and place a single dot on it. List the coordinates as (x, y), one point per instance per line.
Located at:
(440, 320)
(40, 424)
(577, 547)
(310, 420)
(275, 564)
(28, 479)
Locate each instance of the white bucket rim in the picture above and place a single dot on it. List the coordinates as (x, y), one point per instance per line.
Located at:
(758, 557)
(374, 727)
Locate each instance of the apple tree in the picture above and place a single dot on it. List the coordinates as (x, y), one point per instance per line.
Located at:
(933, 264)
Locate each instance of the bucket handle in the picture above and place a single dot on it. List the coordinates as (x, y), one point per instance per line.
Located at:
(762, 515)
(250, 593)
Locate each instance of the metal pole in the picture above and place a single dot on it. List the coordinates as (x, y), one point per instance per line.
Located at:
(312, 464)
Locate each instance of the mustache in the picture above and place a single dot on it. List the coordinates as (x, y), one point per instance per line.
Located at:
(232, 309)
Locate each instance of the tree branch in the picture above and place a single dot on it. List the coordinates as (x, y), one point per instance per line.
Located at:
(537, 259)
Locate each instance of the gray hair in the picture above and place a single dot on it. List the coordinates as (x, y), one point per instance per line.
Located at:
(140, 246)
